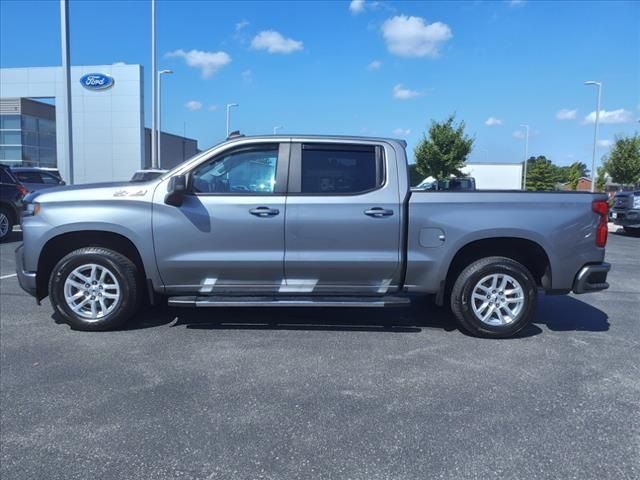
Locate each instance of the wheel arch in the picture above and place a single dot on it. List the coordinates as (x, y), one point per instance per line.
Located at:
(523, 250)
(60, 245)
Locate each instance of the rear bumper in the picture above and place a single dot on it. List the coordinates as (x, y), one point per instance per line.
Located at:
(26, 279)
(592, 278)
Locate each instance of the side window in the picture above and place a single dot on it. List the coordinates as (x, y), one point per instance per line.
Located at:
(29, 177)
(49, 179)
(248, 171)
(5, 177)
(340, 169)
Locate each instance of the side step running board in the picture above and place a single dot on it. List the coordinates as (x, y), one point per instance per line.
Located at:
(228, 301)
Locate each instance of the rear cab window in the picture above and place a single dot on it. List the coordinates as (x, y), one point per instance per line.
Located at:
(336, 169)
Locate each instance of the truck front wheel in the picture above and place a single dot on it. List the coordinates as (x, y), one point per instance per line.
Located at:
(494, 297)
(94, 288)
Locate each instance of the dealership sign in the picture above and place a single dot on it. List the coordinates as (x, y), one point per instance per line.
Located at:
(96, 81)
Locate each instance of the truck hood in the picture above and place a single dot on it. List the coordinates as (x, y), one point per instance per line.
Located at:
(92, 192)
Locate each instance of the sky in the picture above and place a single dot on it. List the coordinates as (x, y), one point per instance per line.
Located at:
(379, 68)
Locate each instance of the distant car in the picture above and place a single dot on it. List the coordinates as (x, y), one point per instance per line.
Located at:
(11, 194)
(625, 211)
(36, 178)
(146, 175)
(457, 184)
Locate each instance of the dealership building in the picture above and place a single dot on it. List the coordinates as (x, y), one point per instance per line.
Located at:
(110, 141)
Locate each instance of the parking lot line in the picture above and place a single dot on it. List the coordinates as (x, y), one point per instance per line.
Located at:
(8, 276)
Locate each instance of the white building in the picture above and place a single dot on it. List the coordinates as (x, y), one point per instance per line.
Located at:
(107, 104)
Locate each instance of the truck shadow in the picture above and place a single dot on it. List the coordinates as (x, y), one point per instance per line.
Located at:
(561, 313)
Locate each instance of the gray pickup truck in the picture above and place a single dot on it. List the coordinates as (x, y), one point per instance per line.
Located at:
(307, 221)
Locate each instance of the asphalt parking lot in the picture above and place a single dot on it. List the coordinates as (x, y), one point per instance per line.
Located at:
(302, 394)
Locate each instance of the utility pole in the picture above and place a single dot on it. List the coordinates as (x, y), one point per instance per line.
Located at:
(526, 156)
(595, 134)
(229, 105)
(154, 158)
(67, 139)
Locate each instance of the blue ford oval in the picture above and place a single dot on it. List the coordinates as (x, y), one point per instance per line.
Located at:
(96, 81)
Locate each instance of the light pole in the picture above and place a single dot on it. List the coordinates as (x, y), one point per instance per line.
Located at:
(595, 135)
(526, 155)
(67, 138)
(229, 105)
(160, 73)
(154, 158)
(275, 129)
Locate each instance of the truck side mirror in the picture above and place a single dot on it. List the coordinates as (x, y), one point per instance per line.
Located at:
(176, 190)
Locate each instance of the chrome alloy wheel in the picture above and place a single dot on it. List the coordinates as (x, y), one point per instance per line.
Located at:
(497, 299)
(4, 224)
(91, 291)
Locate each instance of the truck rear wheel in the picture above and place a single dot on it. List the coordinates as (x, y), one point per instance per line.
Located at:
(94, 288)
(494, 297)
(632, 230)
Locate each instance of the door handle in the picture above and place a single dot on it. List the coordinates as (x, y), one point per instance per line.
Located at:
(264, 212)
(378, 212)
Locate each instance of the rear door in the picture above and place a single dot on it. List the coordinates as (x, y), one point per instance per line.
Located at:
(342, 229)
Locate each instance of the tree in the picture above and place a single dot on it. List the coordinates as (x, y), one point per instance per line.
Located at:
(444, 151)
(415, 177)
(576, 171)
(541, 174)
(623, 163)
(601, 179)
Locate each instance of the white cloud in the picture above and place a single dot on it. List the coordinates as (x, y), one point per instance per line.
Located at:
(247, 76)
(402, 93)
(375, 65)
(614, 116)
(208, 62)
(605, 143)
(402, 132)
(213, 108)
(241, 24)
(413, 37)
(518, 135)
(193, 105)
(356, 6)
(566, 114)
(493, 122)
(274, 42)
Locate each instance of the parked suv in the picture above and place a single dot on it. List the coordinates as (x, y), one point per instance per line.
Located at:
(11, 194)
(626, 211)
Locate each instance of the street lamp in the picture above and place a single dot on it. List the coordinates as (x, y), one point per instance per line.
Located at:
(526, 155)
(275, 129)
(595, 134)
(160, 73)
(154, 159)
(229, 105)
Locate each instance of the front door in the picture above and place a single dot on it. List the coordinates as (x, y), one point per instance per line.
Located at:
(343, 220)
(228, 235)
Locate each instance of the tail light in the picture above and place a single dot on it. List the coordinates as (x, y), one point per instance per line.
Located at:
(22, 189)
(601, 207)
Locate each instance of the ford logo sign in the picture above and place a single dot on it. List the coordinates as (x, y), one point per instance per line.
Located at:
(96, 81)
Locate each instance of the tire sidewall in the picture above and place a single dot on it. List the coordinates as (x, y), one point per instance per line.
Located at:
(126, 282)
(4, 211)
(522, 276)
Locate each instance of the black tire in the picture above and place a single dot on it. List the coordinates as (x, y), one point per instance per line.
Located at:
(635, 231)
(467, 281)
(123, 270)
(6, 215)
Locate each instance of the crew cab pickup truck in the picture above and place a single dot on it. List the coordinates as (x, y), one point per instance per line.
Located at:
(307, 221)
